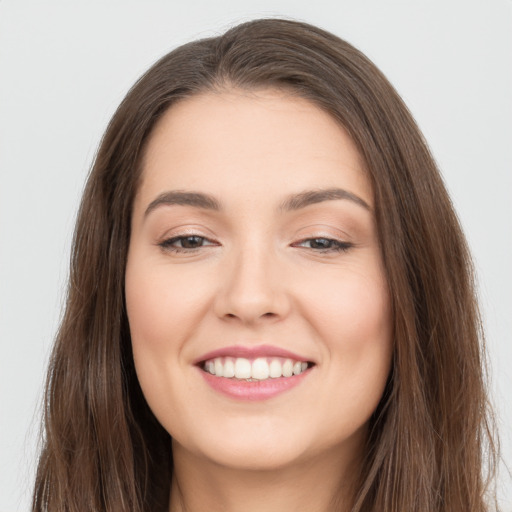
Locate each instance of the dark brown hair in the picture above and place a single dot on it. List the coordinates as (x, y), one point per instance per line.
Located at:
(104, 450)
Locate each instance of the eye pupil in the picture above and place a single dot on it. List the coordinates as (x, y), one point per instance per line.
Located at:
(321, 243)
(191, 242)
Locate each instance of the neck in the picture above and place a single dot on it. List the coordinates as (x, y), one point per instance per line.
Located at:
(312, 485)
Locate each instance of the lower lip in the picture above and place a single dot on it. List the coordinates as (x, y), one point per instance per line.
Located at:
(255, 390)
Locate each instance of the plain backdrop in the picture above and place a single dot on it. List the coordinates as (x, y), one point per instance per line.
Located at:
(65, 66)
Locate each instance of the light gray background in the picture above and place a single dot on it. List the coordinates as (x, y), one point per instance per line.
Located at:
(65, 66)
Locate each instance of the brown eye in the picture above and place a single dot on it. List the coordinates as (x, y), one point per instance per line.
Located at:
(190, 242)
(321, 243)
(186, 243)
(324, 245)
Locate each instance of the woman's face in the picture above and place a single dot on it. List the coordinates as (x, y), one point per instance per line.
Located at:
(255, 291)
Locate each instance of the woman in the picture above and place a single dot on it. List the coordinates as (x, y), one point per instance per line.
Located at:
(271, 304)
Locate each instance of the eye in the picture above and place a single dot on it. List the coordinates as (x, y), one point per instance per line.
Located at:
(324, 244)
(185, 243)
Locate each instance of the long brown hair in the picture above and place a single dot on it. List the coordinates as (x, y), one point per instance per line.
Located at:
(104, 450)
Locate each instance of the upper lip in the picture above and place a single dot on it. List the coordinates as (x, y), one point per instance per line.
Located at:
(251, 352)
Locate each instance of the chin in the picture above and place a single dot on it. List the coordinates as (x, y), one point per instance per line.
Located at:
(268, 445)
(254, 456)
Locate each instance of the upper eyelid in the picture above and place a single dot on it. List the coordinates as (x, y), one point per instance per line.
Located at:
(199, 234)
(193, 231)
(170, 239)
(330, 239)
(340, 238)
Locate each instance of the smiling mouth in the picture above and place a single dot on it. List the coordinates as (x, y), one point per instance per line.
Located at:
(252, 370)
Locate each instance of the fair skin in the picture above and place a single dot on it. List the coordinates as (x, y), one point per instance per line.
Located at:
(257, 270)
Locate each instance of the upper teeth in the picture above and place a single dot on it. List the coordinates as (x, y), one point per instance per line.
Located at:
(261, 368)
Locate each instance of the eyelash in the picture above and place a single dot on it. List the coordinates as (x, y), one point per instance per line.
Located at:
(334, 246)
(167, 244)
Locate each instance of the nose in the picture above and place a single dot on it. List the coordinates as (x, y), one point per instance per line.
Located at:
(252, 288)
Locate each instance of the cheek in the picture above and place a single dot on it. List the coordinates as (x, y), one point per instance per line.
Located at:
(353, 321)
(162, 309)
(162, 306)
(350, 307)
(148, 307)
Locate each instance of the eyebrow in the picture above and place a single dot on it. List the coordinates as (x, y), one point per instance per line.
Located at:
(309, 197)
(180, 197)
(291, 203)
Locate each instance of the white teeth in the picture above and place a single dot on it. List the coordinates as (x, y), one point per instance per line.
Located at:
(261, 368)
(276, 368)
(218, 367)
(288, 368)
(229, 368)
(242, 368)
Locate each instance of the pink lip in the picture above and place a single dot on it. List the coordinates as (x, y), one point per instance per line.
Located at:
(253, 391)
(250, 353)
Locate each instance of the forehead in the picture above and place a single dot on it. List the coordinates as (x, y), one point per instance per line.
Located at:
(252, 144)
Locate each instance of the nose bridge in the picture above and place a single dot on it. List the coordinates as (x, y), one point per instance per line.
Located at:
(251, 288)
